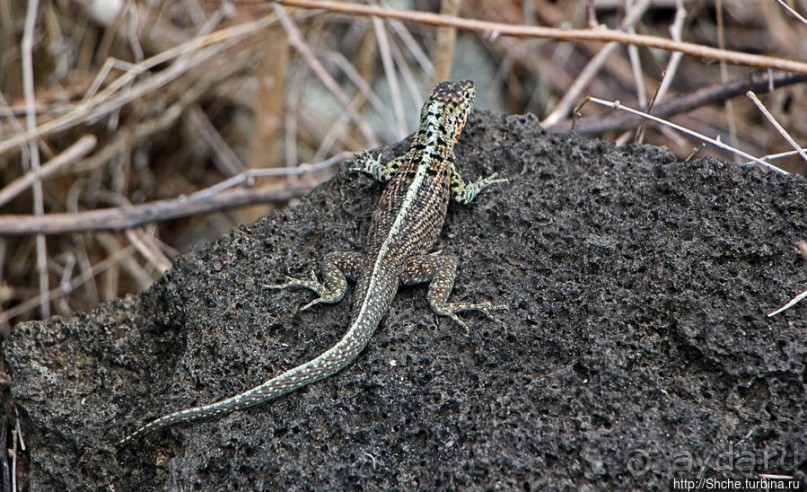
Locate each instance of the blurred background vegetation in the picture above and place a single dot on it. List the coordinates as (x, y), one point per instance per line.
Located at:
(118, 116)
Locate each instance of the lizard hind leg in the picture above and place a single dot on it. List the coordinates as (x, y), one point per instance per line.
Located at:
(337, 268)
(440, 271)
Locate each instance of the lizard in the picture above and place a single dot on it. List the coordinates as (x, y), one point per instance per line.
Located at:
(404, 228)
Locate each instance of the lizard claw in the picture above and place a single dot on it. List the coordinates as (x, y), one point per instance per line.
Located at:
(366, 163)
(275, 286)
(461, 323)
(468, 193)
(311, 284)
(486, 309)
(489, 180)
(312, 303)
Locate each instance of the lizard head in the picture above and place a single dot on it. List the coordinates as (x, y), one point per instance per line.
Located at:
(449, 105)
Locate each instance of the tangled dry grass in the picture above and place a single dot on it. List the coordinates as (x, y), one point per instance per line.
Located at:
(130, 129)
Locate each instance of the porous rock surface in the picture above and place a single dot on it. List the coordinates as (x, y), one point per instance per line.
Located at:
(636, 348)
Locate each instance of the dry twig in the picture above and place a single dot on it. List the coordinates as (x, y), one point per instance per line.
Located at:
(298, 43)
(117, 218)
(215, 198)
(446, 41)
(595, 125)
(597, 35)
(715, 142)
(789, 304)
(76, 151)
(572, 95)
(779, 128)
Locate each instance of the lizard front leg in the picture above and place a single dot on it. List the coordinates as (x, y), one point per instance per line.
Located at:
(440, 271)
(380, 171)
(464, 192)
(337, 268)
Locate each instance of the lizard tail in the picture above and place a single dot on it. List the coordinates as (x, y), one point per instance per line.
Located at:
(328, 363)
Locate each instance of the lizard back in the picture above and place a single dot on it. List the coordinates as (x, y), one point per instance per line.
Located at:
(412, 208)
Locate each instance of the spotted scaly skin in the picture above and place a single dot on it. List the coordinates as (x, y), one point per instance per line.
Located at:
(405, 226)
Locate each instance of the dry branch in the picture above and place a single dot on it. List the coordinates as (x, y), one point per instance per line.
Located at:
(598, 35)
(135, 215)
(188, 55)
(716, 142)
(76, 151)
(595, 125)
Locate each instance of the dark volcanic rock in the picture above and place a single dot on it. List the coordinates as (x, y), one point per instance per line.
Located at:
(636, 348)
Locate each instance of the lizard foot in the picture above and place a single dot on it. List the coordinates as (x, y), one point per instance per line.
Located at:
(323, 293)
